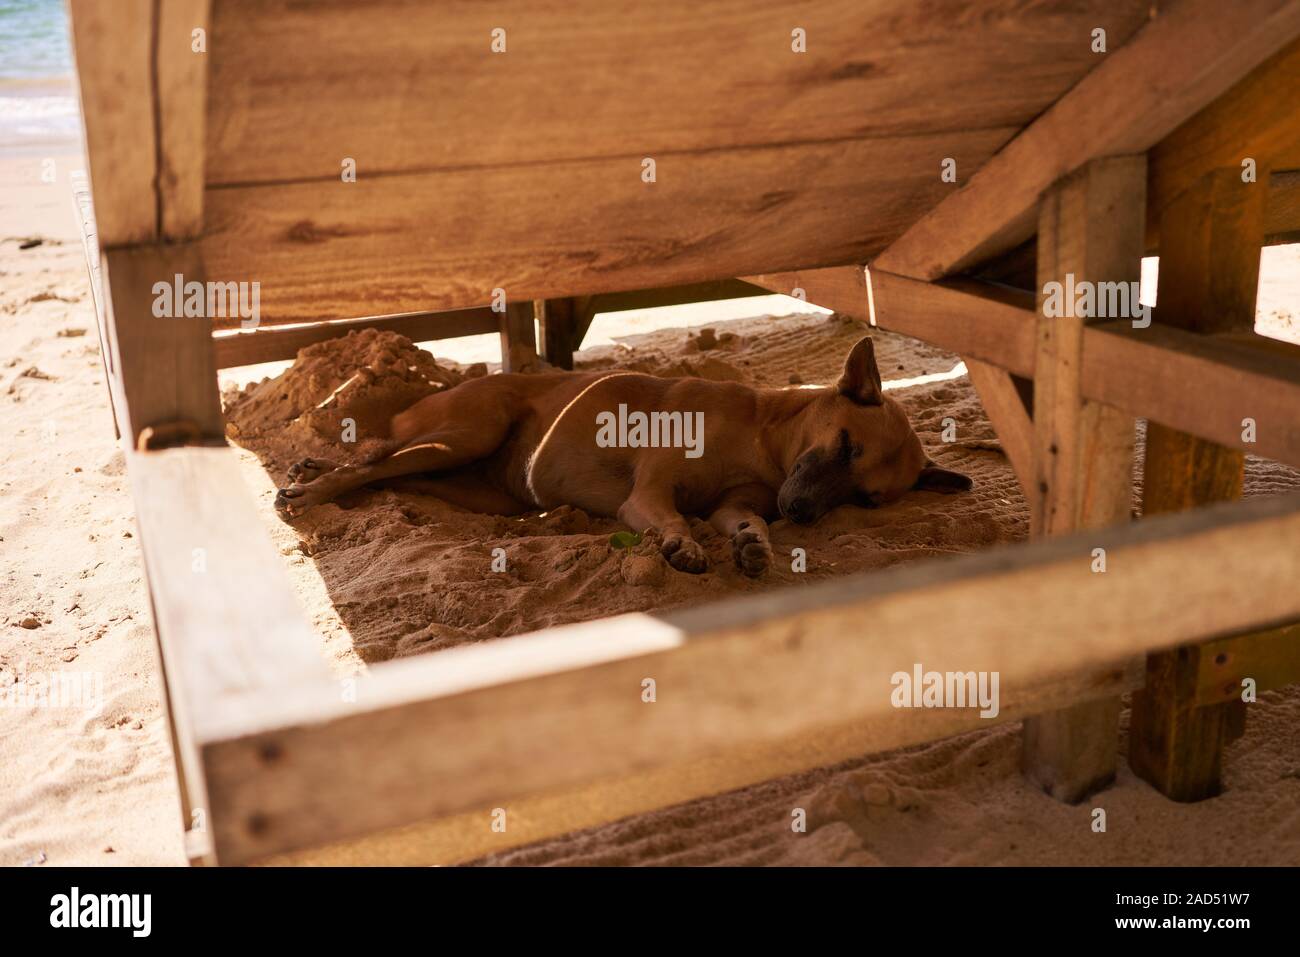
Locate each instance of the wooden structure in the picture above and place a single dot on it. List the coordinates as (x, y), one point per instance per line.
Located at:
(548, 161)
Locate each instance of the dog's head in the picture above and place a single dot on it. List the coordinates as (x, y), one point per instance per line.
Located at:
(856, 445)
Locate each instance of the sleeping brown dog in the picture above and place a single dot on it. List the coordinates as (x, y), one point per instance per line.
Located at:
(649, 451)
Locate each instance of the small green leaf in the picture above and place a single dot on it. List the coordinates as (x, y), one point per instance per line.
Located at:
(625, 540)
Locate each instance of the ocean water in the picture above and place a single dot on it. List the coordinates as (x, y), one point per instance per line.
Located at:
(38, 102)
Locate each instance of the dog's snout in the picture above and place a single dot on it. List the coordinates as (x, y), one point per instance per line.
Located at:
(800, 510)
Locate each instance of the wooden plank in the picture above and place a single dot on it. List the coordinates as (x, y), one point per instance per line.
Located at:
(675, 295)
(840, 288)
(300, 87)
(1203, 385)
(977, 320)
(411, 243)
(143, 103)
(1270, 658)
(165, 368)
(1011, 420)
(1248, 121)
(557, 322)
(204, 542)
(547, 713)
(518, 337)
(1184, 59)
(283, 342)
(113, 44)
(1282, 216)
(182, 84)
(203, 545)
(1209, 274)
(1090, 228)
(85, 213)
(465, 836)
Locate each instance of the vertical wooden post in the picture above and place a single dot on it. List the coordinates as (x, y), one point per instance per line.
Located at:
(1210, 238)
(518, 337)
(557, 319)
(1090, 228)
(165, 366)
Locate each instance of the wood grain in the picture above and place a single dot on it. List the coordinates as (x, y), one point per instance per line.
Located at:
(1192, 53)
(182, 97)
(113, 45)
(165, 371)
(1089, 228)
(1209, 273)
(1203, 385)
(968, 317)
(1253, 120)
(465, 836)
(1006, 410)
(403, 86)
(420, 242)
(548, 713)
(1270, 658)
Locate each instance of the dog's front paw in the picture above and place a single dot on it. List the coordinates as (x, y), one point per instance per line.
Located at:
(292, 501)
(751, 550)
(685, 554)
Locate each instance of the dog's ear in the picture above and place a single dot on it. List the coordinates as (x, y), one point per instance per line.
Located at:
(860, 380)
(936, 479)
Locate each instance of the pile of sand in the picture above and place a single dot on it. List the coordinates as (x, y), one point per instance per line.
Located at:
(364, 377)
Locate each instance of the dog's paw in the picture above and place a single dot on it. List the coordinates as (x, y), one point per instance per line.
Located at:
(751, 550)
(292, 501)
(685, 554)
(308, 470)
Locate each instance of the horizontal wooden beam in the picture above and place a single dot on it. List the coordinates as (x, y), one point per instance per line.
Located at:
(445, 240)
(674, 295)
(1270, 658)
(300, 87)
(1203, 385)
(465, 836)
(1197, 384)
(971, 318)
(839, 288)
(1190, 54)
(470, 730)
(283, 342)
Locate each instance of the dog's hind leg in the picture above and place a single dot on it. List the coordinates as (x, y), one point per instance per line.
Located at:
(652, 507)
(739, 516)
